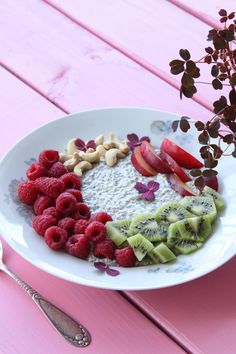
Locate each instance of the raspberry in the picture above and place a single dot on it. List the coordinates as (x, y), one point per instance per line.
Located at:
(42, 222)
(67, 224)
(101, 217)
(57, 170)
(105, 249)
(125, 257)
(52, 211)
(71, 180)
(78, 246)
(48, 157)
(42, 202)
(80, 226)
(27, 192)
(55, 237)
(96, 231)
(82, 212)
(35, 171)
(50, 186)
(76, 193)
(66, 203)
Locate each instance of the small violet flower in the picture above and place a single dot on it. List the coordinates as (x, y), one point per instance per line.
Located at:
(81, 145)
(147, 191)
(103, 267)
(133, 140)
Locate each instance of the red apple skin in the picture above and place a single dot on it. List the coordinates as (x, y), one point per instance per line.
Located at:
(212, 182)
(140, 164)
(179, 186)
(150, 156)
(182, 157)
(175, 167)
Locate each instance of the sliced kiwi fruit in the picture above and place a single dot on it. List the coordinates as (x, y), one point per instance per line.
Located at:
(200, 206)
(179, 245)
(118, 231)
(172, 212)
(163, 253)
(195, 229)
(148, 227)
(141, 246)
(218, 199)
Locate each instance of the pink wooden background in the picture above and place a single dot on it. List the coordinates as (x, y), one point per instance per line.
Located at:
(59, 57)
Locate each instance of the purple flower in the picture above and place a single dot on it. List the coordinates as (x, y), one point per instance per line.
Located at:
(103, 267)
(147, 191)
(135, 141)
(81, 145)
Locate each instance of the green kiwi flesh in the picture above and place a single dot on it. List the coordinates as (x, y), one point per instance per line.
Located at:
(200, 206)
(172, 212)
(141, 246)
(148, 227)
(118, 231)
(179, 245)
(163, 253)
(218, 199)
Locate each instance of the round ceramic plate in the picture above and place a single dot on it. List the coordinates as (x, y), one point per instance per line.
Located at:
(15, 217)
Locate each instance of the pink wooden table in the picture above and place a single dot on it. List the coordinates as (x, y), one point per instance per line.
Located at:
(61, 56)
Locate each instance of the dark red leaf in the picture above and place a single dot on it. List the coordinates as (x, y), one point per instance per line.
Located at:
(184, 53)
(184, 125)
(203, 138)
(195, 172)
(222, 12)
(199, 125)
(209, 50)
(187, 80)
(199, 182)
(175, 125)
(231, 15)
(217, 84)
(214, 70)
(188, 91)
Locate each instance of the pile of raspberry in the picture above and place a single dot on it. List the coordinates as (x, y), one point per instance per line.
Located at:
(61, 217)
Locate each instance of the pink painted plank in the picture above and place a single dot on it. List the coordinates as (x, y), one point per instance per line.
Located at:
(158, 32)
(200, 314)
(23, 328)
(79, 73)
(206, 11)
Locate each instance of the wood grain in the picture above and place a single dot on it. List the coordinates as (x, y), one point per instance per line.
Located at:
(82, 72)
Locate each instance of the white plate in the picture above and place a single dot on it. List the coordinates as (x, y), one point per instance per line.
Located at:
(15, 218)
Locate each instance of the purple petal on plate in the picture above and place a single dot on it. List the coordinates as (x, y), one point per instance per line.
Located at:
(112, 272)
(133, 137)
(91, 144)
(100, 265)
(145, 138)
(80, 144)
(141, 187)
(132, 145)
(153, 186)
(148, 196)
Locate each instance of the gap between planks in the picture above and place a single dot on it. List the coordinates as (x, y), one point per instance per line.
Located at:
(132, 56)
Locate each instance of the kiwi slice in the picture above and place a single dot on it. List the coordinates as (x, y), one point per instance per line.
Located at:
(163, 253)
(200, 206)
(141, 246)
(218, 199)
(118, 230)
(195, 229)
(172, 212)
(176, 242)
(148, 227)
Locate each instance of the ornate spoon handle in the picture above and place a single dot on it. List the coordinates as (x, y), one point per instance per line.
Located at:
(71, 330)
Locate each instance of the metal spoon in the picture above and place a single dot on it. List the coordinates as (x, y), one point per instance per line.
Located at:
(71, 330)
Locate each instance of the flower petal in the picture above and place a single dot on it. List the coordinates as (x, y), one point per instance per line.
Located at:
(132, 145)
(80, 144)
(100, 266)
(133, 137)
(153, 186)
(112, 272)
(91, 144)
(141, 187)
(145, 138)
(148, 196)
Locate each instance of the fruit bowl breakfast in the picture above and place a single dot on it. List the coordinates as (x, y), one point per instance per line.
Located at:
(120, 201)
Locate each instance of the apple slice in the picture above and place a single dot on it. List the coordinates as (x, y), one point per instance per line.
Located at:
(140, 164)
(179, 186)
(211, 182)
(151, 157)
(174, 166)
(182, 157)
